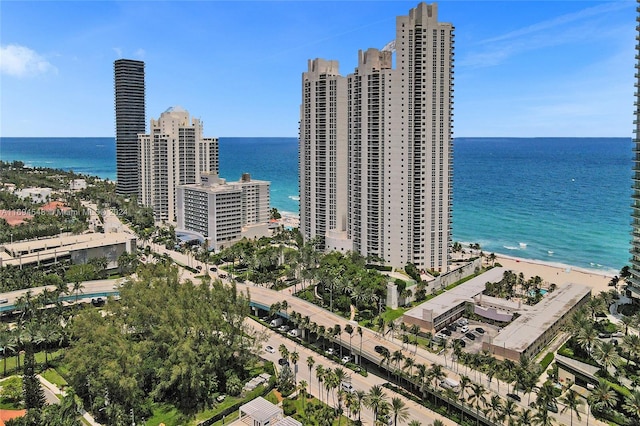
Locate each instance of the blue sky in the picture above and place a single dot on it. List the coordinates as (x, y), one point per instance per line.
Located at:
(523, 68)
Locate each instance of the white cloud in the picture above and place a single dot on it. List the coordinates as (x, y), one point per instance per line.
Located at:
(20, 61)
(140, 53)
(118, 51)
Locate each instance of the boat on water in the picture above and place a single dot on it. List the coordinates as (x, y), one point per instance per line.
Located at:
(550, 252)
(523, 245)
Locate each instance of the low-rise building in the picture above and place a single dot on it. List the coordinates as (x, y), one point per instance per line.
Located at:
(77, 184)
(37, 195)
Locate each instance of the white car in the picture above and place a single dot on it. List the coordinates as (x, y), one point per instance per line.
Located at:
(270, 349)
(284, 328)
(464, 329)
(329, 351)
(346, 359)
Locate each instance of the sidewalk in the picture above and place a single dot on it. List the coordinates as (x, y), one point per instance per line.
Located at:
(56, 391)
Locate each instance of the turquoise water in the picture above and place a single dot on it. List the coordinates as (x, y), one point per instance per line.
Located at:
(563, 200)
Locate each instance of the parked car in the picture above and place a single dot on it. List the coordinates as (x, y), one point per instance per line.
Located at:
(284, 328)
(452, 327)
(464, 329)
(4, 301)
(470, 336)
(463, 322)
(220, 398)
(604, 335)
(347, 387)
(329, 351)
(97, 302)
(461, 342)
(446, 332)
(213, 269)
(381, 349)
(270, 349)
(345, 359)
(514, 396)
(283, 362)
(296, 332)
(480, 330)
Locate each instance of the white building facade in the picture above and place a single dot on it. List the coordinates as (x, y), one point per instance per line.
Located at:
(224, 212)
(174, 153)
(394, 128)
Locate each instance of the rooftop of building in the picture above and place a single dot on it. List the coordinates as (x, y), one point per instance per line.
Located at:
(532, 323)
(457, 295)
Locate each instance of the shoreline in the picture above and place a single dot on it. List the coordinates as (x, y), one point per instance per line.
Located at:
(558, 273)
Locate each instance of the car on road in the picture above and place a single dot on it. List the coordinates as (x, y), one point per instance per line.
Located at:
(381, 349)
(199, 268)
(329, 351)
(470, 336)
(480, 330)
(98, 302)
(347, 387)
(514, 396)
(270, 349)
(464, 329)
(283, 362)
(345, 359)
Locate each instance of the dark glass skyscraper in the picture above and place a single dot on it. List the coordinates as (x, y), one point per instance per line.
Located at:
(130, 120)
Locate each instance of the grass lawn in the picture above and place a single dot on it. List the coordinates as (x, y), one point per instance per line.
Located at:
(393, 314)
(11, 361)
(301, 416)
(52, 375)
(166, 414)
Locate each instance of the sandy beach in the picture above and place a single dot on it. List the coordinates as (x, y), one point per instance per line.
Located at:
(557, 273)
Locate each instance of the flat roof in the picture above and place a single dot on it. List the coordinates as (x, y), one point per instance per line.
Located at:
(532, 323)
(47, 249)
(260, 409)
(457, 295)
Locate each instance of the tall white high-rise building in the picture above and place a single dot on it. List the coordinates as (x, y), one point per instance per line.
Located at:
(398, 142)
(174, 153)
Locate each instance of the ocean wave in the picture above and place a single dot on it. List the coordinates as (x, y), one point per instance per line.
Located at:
(511, 247)
(294, 197)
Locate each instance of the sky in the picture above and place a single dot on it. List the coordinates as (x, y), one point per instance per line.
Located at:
(522, 68)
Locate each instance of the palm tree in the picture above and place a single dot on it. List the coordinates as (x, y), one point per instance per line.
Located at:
(294, 357)
(476, 397)
(284, 352)
(495, 408)
(302, 388)
(310, 363)
(415, 329)
(360, 396)
(396, 357)
(606, 355)
(6, 343)
(337, 331)
(415, 423)
(320, 376)
(437, 374)
(510, 410)
(542, 418)
(587, 336)
(349, 330)
(632, 404)
(359, 330)
(630, 345)
(603, 397)
(399, 410)
(571, 401)
(374, 399)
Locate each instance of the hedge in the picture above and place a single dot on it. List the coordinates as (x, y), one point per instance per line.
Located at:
(548, 358)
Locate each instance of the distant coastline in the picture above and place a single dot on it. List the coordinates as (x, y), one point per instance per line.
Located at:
(565, 199)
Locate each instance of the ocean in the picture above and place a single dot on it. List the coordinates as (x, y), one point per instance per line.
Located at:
(560, 200)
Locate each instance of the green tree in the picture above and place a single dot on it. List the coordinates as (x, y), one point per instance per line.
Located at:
(571, 401)
(399, 410)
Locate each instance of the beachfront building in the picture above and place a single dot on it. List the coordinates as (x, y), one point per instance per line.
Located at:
(130, 121)
(323, 150)
(398, 148)
(37, 195)
(524, 334)
(222, 212)
(633, 290)
(173, 153)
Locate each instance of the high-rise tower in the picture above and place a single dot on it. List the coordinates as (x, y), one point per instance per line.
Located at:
(130, 121)
(634, 289)
(398, 141)
(173, 153)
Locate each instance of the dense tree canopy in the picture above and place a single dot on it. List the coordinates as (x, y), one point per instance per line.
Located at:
(164, 341)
